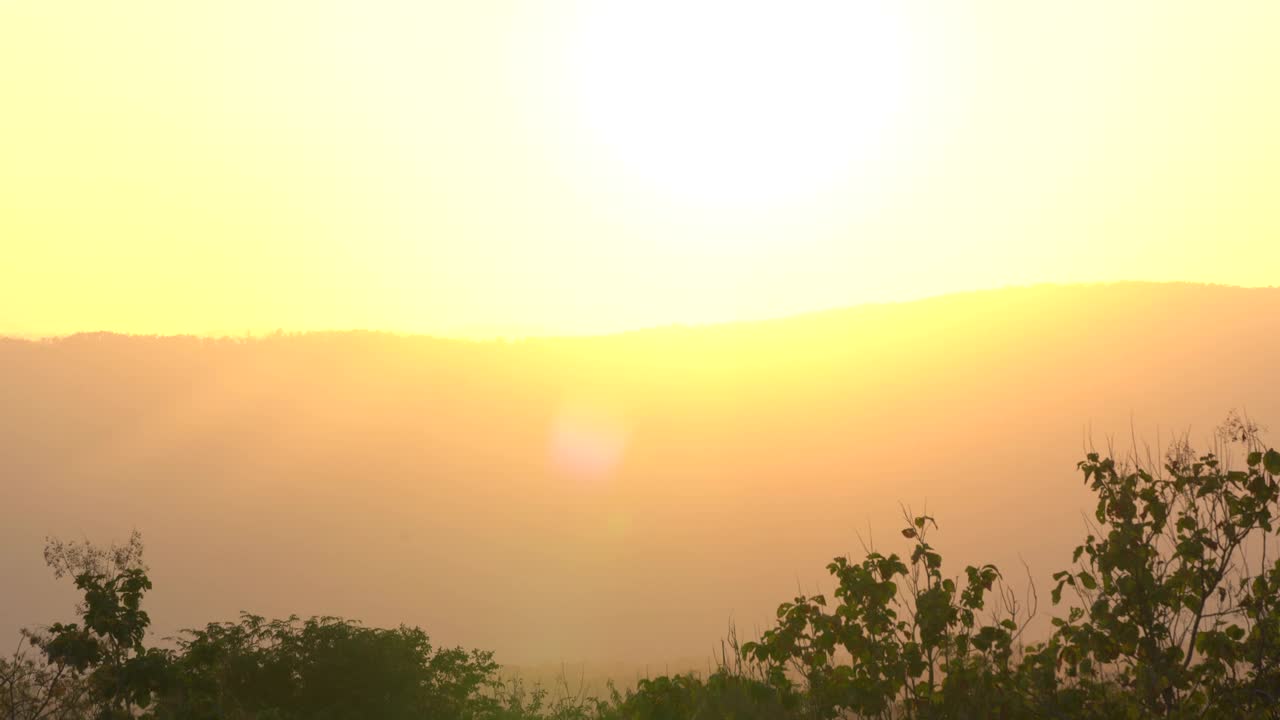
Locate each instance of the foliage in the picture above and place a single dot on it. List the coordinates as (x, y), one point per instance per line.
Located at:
(724, 694)
(1179, 605)
(900, 638)
(326, 669)
(107, 645)
(1177, 614)
(33, 689)
(254, 669)
(1171, 610)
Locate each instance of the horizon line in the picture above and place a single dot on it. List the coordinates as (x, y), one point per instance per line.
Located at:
(264, 333)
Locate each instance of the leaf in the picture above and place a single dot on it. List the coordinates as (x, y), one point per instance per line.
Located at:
(1255, 458)
(1087, 580)
(1271, 461)
(909, 533)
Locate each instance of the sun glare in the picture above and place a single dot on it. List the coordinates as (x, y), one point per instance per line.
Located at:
(742, 104)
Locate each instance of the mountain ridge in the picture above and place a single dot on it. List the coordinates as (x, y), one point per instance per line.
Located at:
(673, 327)
(635, 491)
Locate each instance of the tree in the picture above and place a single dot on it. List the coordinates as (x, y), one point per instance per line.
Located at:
(900, 639)
(319, 669)
(33, 689)
(1177, 612)
(1171, 610)
(724, 694)
(106, 647)
(324, 669)
(1178, 601)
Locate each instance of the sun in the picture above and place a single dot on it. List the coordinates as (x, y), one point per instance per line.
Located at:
(743, 102)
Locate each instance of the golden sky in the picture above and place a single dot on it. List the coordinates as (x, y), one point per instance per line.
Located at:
(493, 168)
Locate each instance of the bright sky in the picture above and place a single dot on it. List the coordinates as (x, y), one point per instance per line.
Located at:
(494, 168)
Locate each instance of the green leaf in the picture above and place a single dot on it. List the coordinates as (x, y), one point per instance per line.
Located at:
(1255, 458)
(1271, 461)
(1087, 580)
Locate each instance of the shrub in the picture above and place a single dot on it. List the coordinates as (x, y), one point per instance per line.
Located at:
(1176, 612)
(1172, 610)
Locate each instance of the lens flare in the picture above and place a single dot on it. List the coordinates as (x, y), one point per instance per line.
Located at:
(587, 441)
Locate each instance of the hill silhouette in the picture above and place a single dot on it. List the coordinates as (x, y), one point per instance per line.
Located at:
(611, 498)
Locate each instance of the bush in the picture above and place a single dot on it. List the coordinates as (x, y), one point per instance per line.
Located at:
(323, 668)
(1172, 610)
(1177, 611)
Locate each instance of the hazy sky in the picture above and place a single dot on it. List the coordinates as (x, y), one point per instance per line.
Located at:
(555, 167)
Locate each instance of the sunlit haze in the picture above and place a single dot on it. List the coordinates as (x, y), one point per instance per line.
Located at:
(639, 359)
(493, 168)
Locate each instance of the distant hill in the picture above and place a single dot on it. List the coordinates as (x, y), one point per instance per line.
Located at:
(609, 498)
